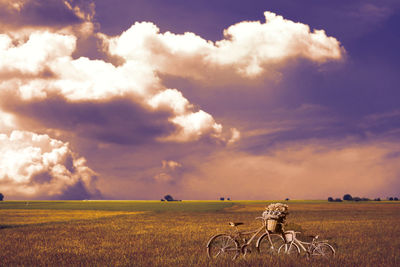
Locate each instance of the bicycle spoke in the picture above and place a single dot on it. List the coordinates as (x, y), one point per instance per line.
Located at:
(222, 246)
(323, 250)
(270, 245)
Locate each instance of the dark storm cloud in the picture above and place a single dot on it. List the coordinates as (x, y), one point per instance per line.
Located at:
(78, 191)
(118, 120)
(39, 13)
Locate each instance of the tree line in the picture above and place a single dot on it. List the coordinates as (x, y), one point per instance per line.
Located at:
(348, 197)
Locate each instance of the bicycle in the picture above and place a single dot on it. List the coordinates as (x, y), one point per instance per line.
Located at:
(315, 248)
(231, 245)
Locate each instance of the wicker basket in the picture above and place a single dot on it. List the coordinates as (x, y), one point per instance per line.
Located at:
(288, 237)
(271, 225)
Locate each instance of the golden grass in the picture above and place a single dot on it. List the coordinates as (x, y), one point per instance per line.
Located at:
(364, 235)
(15, 217)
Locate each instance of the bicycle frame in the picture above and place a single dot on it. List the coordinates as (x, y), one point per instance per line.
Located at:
(239, 241)
(234, 243)
(256, 233)
(301, 244)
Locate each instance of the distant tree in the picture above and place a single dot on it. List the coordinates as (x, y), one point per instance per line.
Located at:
(222, 198)
(365, 199)
(390, 198)
(347, 197)
(357, 199)
(377, 199)
(396, 199)
(228, 198)
(338, 200)
(330, 199)
(287, 199)
(162, 199)
(1, 197)
(168, 198)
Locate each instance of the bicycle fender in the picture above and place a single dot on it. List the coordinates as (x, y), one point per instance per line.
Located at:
(259, 239)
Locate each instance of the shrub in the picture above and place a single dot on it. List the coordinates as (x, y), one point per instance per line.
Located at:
(168, 198)
(330, 199)
(347, 197)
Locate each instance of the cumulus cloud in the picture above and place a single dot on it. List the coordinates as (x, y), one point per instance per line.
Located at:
(33, 56)
(235, 136)
(41, 67)
(170, 172)
(250, 49)
(74, 17)
(7, 122)
(170, 164)
(36, 166)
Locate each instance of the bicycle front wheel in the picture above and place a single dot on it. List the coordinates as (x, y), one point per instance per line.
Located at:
(290, 249)
(267, 247)
(222, 246)
(323, 250)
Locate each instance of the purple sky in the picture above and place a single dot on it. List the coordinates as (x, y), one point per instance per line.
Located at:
(139, 99)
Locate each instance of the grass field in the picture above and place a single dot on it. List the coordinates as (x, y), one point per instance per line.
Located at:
(153, 233)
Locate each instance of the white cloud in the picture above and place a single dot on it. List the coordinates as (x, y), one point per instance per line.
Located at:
(37, 166)
(235, 136)
(194, 125)
(34, 55)
(191, 125)
(169, 171)
(37, 65)
(83, 79)
(7, 122)
(171, 99)
(170, 164)
(250, 49)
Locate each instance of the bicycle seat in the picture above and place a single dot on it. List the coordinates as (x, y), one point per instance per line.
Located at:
(233, 224)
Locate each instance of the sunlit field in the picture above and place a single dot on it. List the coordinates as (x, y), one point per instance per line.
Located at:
(153, 233)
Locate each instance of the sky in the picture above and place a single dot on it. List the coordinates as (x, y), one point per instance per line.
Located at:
(199, 99)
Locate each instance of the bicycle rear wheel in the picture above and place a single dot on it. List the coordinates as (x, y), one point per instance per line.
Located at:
(322, 250)
(222, 246)
(267, 247)
(290, 249)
